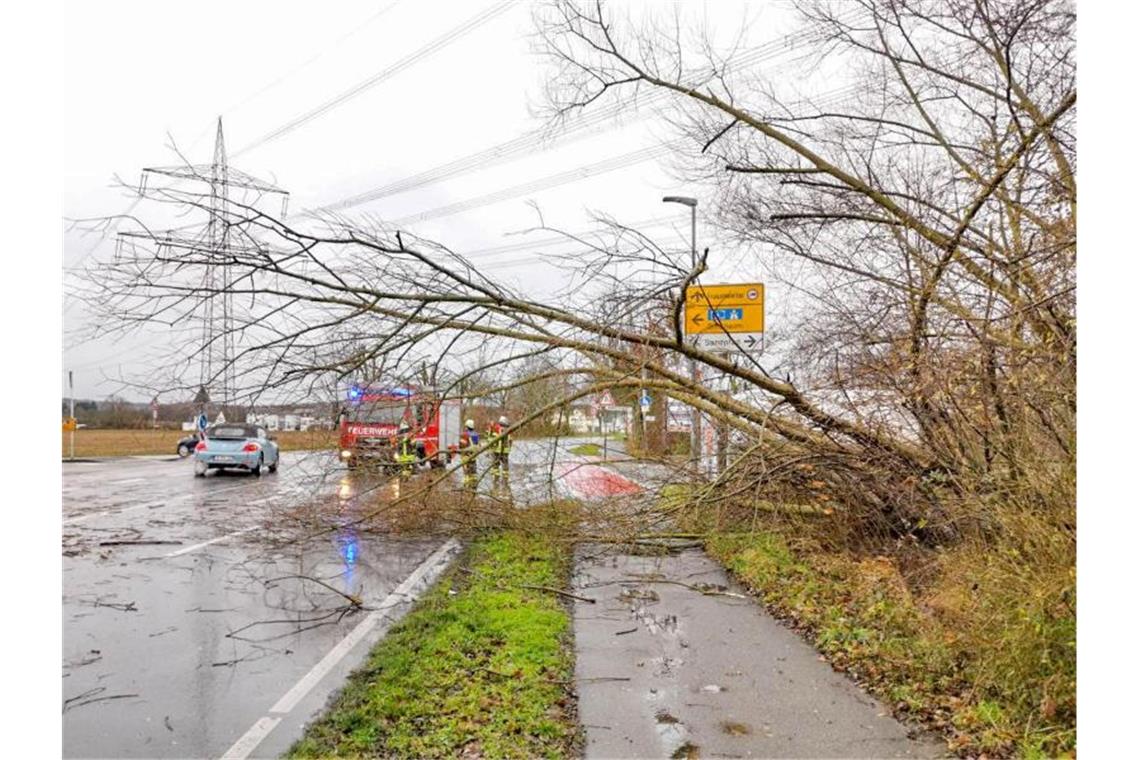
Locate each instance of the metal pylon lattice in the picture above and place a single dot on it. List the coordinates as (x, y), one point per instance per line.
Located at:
(217, 370)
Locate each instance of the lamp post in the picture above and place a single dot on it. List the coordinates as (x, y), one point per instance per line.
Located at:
(695, 427)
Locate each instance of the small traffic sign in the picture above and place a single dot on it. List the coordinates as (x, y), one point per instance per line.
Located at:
(607, 399)
(646, 400)
(202, 421)
(70, 424)
(748, 342)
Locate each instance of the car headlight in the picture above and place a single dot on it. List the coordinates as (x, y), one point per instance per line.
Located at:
(345, 454)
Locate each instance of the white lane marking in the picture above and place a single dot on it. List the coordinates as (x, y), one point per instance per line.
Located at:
(427, 572)
(248, 743)
(204, 544)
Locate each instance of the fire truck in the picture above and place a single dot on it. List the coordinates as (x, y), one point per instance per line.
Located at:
(371, 417)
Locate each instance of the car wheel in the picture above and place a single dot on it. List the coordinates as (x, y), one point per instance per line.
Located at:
(183, 450)
(256, 469)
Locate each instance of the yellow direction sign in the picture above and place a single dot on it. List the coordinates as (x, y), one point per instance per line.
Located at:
(736, 308)
(69, 424)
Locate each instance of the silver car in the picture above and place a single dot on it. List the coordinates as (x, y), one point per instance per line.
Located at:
(244, 447)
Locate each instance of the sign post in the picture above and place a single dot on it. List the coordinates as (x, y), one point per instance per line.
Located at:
(604, 403)
(71, 411)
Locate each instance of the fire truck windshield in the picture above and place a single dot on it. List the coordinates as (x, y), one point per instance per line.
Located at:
(386, 412)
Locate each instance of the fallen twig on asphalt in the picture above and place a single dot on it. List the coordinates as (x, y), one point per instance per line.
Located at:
(622, 633)
(317, 622)
(143, 542)
(707, 590)
(88, 693)
(355, 600)
(128, 607)
(561, 593)
(68, 703)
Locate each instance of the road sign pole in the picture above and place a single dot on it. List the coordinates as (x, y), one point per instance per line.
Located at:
(696, 450)
(642, 411)
(71, 407)
(722, 437)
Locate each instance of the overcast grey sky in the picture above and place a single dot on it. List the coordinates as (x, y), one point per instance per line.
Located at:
(139, 74)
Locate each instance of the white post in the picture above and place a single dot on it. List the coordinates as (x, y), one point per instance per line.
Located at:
(71, 413)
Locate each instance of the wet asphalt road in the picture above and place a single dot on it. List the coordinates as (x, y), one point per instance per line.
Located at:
(186, 631)
(181, 649)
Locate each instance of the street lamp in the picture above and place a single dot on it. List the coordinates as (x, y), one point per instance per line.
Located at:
(695, 426)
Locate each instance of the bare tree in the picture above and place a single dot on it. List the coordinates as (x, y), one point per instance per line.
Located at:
(932, 211)
(934, 214)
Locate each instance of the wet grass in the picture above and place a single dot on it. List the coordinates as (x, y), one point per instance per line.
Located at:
(481, 667)
(117, 443)
(587, 450)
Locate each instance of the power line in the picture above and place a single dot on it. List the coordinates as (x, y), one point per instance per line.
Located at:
(527, 142)
(480, 253)
(356, 29)
(555, 180)
(435, 45)
(545, 183)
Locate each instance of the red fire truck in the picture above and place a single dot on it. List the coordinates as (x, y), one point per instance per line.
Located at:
(371, 417)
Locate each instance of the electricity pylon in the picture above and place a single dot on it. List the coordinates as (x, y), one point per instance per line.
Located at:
(218, 350)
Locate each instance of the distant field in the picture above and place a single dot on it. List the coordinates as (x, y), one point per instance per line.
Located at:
(111, 443)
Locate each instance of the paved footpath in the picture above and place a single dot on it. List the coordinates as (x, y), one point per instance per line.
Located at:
(665, 670)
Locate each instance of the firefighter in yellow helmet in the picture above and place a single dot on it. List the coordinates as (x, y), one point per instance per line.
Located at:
(405, 450)
(500, 443)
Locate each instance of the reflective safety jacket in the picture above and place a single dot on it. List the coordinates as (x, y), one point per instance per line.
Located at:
(405, 448)
(468, 440)
(500, 439)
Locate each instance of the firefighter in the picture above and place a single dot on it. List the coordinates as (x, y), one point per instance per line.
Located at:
(405, 448)
(500, 441)
(468, 442)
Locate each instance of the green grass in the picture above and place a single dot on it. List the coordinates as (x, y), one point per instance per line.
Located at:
(481, 666)
(587, 450)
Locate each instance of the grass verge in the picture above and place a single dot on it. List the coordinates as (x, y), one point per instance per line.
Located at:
(586, 450)
(118, 443)
(481, 667)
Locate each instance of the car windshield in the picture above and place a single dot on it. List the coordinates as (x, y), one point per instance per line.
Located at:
(232, 431)
(389, 412)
